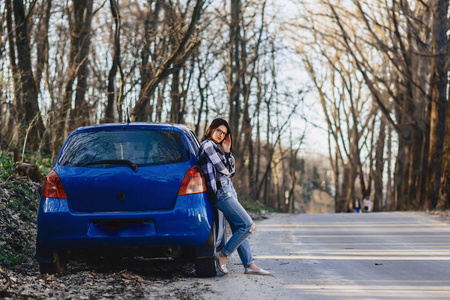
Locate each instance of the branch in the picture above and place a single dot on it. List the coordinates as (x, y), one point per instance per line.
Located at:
(164, 70)
(8, 282)
(33, 4)
(366, 78)
(101, 6)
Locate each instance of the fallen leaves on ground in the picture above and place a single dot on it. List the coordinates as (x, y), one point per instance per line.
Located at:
(144, 278)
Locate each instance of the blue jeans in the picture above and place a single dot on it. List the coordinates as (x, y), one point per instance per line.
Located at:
(239, 220)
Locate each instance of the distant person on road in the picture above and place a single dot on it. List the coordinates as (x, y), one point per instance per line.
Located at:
(356, 205)
(218, 168)
(367, 204)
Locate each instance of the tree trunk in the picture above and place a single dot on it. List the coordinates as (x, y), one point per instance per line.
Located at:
(175, 97)
(61, 133)
(425, 152)
(401, 175)
(293, 167)
(366, 190)
(350, 196)
(415, 168)
(160, 102)
(42, 44)
(17, 111)
(388, 204)
(255, 189)
(438, 85)
(379, 166)
(82, 15)
(265, 180)
(234, 86)
(109, 111)
(201, 91)
(337, 186)
(251, 169)
(148, 59)
(405, 177)
(402, 165)
(341, 203)
(32, 115)
(444, 191)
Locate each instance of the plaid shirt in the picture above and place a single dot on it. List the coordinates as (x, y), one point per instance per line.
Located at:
(215, 165)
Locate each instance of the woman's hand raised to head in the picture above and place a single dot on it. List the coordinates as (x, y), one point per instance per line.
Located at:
(226, 144)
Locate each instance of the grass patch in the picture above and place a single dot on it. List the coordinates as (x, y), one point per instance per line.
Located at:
(255, 206)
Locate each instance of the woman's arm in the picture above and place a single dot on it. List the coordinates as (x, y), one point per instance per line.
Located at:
(214, 157)
(231, 163)
(226, 145)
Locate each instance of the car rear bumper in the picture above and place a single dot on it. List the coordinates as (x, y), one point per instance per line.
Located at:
(188, 223)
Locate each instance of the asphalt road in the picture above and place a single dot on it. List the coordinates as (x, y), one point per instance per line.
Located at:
(343, 256)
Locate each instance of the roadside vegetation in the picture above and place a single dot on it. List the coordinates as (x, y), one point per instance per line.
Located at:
(19, 200)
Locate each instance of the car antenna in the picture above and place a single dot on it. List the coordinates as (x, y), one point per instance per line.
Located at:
(128, 117)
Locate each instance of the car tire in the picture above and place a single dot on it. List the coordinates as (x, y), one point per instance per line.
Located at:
(59, 266)
(205, 267)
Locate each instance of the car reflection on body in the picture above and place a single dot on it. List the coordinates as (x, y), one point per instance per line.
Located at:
(131, 189)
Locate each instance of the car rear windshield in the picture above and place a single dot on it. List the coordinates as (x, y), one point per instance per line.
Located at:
(141, 147)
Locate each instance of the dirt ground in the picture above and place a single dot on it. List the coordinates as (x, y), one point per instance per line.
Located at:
(128, 279)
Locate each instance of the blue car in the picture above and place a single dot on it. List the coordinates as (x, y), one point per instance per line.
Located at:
(131, 189)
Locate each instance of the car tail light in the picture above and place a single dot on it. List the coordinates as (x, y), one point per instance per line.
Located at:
(53, 187)
(193, 182)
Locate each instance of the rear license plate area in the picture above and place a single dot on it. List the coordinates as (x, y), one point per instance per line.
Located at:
(121, 228)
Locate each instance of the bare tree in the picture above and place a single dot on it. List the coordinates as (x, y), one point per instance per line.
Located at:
(171, 64)
(398, 82)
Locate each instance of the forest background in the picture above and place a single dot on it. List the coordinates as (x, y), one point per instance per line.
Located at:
(378, 71)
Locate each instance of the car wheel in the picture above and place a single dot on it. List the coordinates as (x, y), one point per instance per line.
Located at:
(205, 267)
(59, 266)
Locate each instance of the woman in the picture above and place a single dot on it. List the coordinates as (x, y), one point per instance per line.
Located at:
(218, 169)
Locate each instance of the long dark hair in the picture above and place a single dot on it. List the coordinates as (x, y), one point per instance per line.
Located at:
(216, 123)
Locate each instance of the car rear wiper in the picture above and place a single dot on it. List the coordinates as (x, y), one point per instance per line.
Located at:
(125, 162)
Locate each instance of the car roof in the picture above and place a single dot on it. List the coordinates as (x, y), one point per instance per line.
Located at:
(133, 125)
